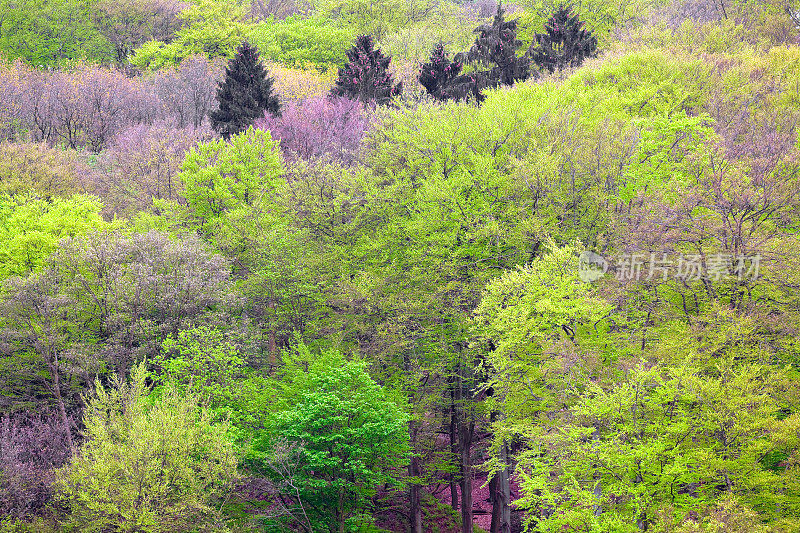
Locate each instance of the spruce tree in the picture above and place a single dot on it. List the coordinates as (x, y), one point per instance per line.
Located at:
(565, 43)
(438, 73)
(245, 93)
(496, 48)
(366, 76)
(492, 61)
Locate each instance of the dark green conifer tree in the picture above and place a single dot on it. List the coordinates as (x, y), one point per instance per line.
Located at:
(495, 50)
(366, 77)
(491, 62)
(438, 73)
(565, 42)
(245, 93)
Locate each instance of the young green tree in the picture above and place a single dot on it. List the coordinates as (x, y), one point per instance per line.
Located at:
(351, 433)
(366, 76)
(230, 182)
(200, 361)
(31, 227)
(663, 443)
(147, 465)
(245, 93)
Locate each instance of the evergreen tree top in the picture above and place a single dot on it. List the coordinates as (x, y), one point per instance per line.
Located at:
(564, 43)
(244, 94)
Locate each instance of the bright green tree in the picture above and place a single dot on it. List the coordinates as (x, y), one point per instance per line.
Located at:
(351, 434)
(662, 443)
(50, 32)
(31, 227)
(147, 464)
(226, 181)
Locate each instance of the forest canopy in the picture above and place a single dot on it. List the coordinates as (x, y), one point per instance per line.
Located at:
(399, 266)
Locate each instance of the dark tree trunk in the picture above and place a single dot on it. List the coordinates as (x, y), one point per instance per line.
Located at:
(466, 433)
(453, 447)
(415, 514)
(414, 470)
(62, 410)
(494, 498)
(466, 430)
(504, 492)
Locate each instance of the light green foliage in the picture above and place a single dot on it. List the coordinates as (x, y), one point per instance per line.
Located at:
(659, 438)
(302, 42)
(51, 32)
(448, 23)
(205, 363)
(36, 168)
(672, 152)
(226, 182)
(377, 18)
(351, 433)
(147, 465)
(539, 321)
(201, 362)
(601, 17)
(528, 310)
(210, 27)
(31, 227)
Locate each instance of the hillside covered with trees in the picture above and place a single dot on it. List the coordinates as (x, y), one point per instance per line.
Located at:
(420, 266)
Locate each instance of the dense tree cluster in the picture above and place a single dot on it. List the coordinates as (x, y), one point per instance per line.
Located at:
(233, 301)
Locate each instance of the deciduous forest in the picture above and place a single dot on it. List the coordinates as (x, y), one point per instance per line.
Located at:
(399, 266)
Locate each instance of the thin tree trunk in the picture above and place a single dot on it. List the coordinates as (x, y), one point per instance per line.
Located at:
(61, 407)
(466, 429)
(504, 492)
(414, 470)
(494, 498)
(465, 439)
(501, 497)
(453, 447)
(414, 497)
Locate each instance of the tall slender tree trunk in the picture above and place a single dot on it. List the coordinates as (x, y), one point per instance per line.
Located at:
(501, 496)
(272, 345)
(54, 371)
(494, 498)
(453, 446)
(415, 515)
(504, 486)
(466, 429)
(414, 470)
